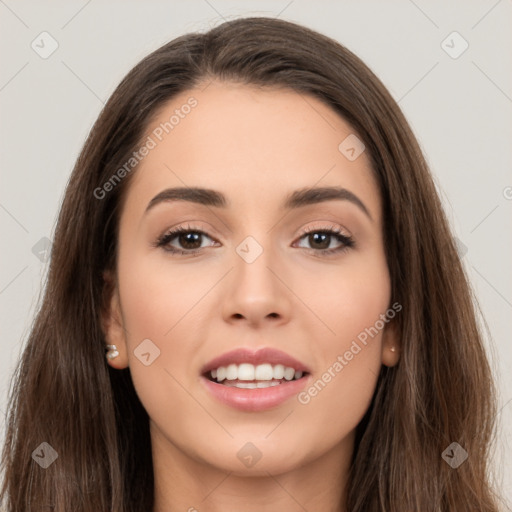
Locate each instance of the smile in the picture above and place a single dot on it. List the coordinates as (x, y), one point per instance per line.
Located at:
(254, 381)
(249, 376)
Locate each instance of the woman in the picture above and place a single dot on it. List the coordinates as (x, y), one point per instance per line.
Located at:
(252, 234)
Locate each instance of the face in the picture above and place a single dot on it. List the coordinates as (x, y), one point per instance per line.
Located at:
(283, 278)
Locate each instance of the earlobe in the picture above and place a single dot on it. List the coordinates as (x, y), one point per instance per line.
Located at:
(112, 325)
(390, 345)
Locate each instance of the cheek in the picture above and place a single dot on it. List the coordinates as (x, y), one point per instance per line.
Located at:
(159, 303)
(156, 293)
(349, 301)
(162, 296)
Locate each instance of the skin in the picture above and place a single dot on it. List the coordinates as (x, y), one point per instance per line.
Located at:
(256, 146)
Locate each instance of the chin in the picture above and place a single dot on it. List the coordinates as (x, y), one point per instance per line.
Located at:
(257, 456)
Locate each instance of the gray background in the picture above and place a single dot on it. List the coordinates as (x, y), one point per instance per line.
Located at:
(460, 109)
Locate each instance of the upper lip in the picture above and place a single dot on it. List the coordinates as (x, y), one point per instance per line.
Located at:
(255, 357)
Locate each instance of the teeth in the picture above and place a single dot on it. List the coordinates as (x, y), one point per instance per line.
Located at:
(221, 373)
(231, 372)
(289, 373)
(263, 372)
(244, 372)
(278, 371)
(252, 385)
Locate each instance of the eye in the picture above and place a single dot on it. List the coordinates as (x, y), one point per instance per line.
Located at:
(321, 240)
(188, 239)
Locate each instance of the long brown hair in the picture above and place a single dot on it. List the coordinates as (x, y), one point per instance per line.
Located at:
(441, 391)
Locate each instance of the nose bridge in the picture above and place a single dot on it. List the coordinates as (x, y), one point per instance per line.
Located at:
(252, 267)
(256, 293)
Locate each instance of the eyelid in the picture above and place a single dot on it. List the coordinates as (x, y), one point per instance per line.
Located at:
(189, 226)
(323, 227)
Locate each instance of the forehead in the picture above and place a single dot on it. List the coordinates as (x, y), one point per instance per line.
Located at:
(254, 144)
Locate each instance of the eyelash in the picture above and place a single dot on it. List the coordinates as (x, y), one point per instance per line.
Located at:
(163, 241)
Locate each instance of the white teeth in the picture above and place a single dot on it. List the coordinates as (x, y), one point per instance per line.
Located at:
(278, 371)
(289, 373)
(263, 372)
(246, 372)
(231, 372)
(221, 373)
(267, 384)
(251, 385)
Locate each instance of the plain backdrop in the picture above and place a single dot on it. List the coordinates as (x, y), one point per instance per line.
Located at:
(446, 63)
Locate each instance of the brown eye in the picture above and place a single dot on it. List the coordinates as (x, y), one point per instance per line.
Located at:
(321, 240)
(189, 240)
(183, 240)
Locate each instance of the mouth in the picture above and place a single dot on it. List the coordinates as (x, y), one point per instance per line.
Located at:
(254, 380)
(250, 376)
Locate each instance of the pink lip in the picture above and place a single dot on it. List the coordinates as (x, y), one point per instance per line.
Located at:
(258, 399)
(254, 400)
(255, 357)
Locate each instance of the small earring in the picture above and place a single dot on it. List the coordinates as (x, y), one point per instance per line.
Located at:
(112, 352)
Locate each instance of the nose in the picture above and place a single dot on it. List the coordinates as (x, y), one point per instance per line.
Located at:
(257, 294)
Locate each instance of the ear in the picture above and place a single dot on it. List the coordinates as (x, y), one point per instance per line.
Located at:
(112, 321)
(390, 344)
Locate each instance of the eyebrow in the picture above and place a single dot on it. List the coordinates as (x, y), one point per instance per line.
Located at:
(297, 199)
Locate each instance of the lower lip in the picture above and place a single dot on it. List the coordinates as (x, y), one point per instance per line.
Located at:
(259, 399)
